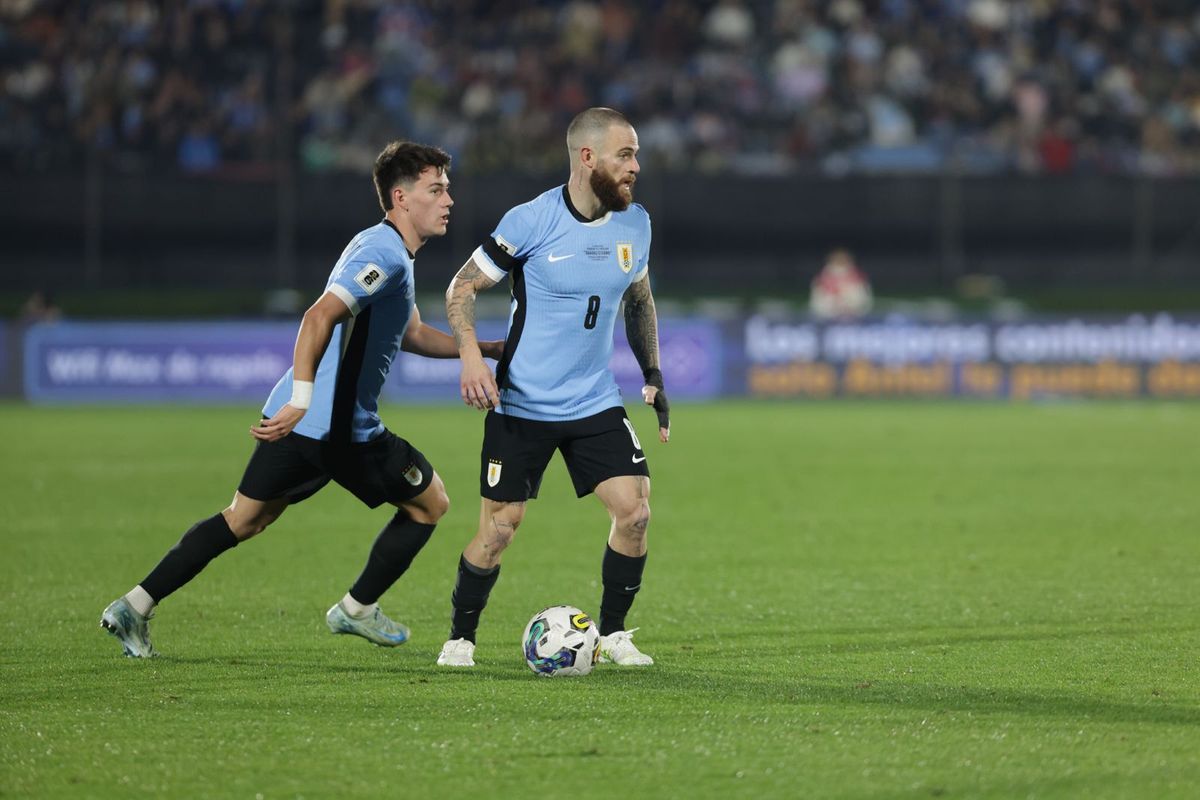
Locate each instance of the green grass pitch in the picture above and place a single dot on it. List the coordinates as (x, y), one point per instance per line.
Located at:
(844, 600)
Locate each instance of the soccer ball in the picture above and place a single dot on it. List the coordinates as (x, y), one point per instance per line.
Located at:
(561, 640)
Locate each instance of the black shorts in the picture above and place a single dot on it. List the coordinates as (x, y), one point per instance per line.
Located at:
(596, 448)
(386, 469)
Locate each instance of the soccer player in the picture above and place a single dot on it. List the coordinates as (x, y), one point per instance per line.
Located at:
(321, 421)
(571, 256)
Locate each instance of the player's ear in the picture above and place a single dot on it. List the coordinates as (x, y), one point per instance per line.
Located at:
(397, 196)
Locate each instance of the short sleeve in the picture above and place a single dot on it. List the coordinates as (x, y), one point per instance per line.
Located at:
(643, 265)
(360, 282)
(510, 244)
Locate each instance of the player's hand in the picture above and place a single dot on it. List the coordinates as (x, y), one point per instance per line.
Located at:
(478, 385)
(278, 426)
(654, 395)
(493, 349)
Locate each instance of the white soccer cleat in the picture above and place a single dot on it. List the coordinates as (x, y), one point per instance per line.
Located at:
(457, 653)
(131, 628)
(618, 648)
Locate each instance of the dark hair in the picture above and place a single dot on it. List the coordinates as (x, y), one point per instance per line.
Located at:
(402, 163)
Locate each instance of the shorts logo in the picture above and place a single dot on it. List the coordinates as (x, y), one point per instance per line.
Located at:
(494, 468)
(413, 475)
(371, 278)
(504, 244)
(625, 256)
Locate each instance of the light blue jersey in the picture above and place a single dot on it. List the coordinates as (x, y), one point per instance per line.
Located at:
(568, 275)
(374, 278)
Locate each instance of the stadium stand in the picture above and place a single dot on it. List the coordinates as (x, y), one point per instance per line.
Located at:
(765, 87)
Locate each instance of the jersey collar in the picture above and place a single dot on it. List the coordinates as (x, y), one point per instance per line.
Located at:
(595, 223)
(388, 222)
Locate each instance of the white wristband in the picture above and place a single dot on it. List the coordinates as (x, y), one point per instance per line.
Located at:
(301, 395)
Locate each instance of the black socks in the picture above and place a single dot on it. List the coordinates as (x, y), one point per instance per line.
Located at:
(470, 597)
(622, 577)
(394, 549)
(391, 555)
(203, 542)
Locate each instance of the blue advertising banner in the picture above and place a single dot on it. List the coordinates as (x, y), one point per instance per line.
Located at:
(154, 362)
(756, 356)
(241, 361)
(1030, 359)
(7, 380)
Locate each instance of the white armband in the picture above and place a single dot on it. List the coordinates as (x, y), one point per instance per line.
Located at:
(301, 395)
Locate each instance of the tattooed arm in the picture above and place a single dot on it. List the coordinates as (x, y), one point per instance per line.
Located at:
(641, 329)
(477, 385)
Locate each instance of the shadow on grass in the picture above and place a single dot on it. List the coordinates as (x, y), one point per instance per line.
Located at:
(729, 670)
(877, 639)
(697, 687)
(943, 698)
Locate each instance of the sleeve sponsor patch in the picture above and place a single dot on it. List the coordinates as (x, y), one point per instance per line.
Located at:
(505, 245)
(370, 278)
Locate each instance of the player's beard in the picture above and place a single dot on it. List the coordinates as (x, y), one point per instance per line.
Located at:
(608, 191)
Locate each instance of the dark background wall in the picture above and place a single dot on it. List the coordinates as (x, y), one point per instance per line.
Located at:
(721, 234)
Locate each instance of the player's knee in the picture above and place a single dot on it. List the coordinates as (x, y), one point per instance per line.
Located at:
(501, 537)
(441, 498)
(244, 527)
(634, 518)
(503, 525)
(495, 537)
(510, 514)
(433, 506)
(441, 504)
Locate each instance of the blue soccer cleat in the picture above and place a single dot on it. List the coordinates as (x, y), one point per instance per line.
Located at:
(375, 627)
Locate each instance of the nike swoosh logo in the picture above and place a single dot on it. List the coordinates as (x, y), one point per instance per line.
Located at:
(551, 258)
(633, 588)
(637, 460)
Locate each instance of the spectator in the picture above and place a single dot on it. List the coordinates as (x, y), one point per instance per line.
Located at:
(199, 150)
(763, 85)
(840, 290)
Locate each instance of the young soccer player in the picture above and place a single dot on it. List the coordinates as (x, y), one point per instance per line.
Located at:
(321, 422)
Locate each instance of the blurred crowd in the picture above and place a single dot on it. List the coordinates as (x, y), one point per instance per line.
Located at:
(751, 86)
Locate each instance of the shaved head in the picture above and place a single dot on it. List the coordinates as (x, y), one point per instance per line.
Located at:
(588, 127)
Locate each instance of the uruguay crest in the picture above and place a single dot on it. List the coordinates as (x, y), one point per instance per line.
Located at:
(493, 475)
(413, 475)
(625, 256)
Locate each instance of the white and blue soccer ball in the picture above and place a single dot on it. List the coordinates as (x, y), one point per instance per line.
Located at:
(561, 640)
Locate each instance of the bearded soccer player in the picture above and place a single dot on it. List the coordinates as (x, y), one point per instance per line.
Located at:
(571, 256)
(321, 422)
